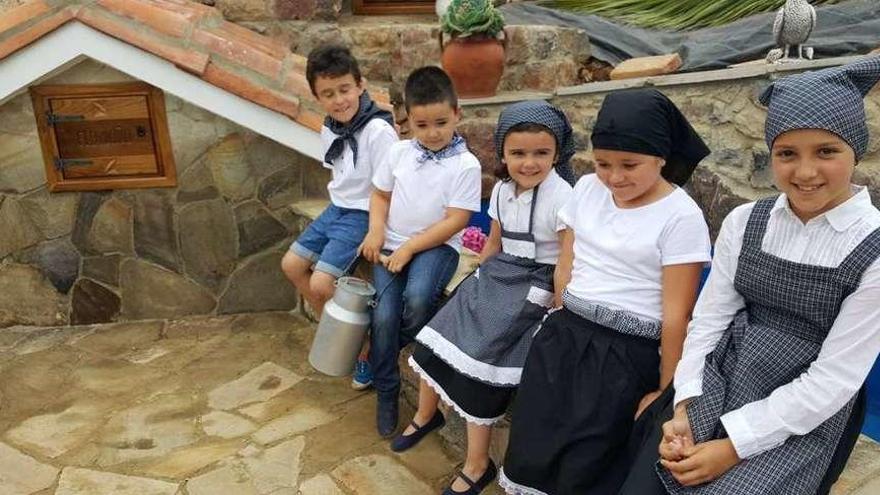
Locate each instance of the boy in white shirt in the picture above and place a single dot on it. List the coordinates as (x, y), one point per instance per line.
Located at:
(424, 194)
(355, 136)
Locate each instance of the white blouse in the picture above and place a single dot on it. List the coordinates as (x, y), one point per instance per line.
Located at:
(516, 211)
(848, 351)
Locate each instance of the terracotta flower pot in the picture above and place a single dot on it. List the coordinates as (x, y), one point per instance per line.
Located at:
(474, 63)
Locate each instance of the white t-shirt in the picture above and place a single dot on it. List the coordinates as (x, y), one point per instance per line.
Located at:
(350, 186)
(619, 253)
(421, 192)
(553, 193)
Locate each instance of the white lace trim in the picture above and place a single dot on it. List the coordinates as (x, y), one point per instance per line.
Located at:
(442, 393)
(453, 356)
(513, 488)
(541, 297)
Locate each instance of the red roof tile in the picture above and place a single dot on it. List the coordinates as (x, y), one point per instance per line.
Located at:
(171, 22)
(191, 35)
(229, 45)
(244, 87)
(311, 119)
(34, 31)
(188, 59)
(22, 14)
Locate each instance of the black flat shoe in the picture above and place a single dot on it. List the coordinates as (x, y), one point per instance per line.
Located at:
(403, 442)
(474, 487)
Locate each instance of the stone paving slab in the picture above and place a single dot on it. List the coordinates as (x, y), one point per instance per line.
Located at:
(51, 435)
(305, 419)
(258, 385)
(274, 471)
(212, 406)
(76, 481)
(369, 475)
(21, 474)
(319, 485)
(226, 425)
(183, 463)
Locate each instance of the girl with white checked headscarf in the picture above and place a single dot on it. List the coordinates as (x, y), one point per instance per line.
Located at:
(471, 354)
(769, 395)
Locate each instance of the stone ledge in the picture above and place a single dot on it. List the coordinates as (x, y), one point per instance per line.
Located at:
(311, 208)
(505, 97)
(741, 72)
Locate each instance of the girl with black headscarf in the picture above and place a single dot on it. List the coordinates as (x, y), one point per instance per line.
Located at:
(631, 258)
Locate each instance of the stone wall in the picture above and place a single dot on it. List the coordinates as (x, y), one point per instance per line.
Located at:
(727, 115)
(539, 58)
(269, 10)
(210, 246)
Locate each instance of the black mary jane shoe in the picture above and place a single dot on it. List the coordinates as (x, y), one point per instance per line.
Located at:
(474, 487)
(404, 442)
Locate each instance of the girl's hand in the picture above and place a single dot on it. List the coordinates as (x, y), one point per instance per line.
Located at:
(677, 435)
(703, 462)
(398, 259)
(371, 248)
(646, 401)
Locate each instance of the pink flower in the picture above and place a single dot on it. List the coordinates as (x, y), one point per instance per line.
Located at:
(474, 239)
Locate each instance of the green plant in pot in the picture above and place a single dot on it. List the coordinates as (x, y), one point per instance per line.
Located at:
(474, 55)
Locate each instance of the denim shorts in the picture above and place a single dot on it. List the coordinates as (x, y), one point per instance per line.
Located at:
(332, 240)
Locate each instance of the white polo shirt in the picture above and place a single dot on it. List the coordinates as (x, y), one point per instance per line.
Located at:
(421, 192)
(350, 186)
(553, 193)
(619, 253)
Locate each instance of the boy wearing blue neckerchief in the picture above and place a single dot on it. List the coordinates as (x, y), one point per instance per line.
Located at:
(424, 194)
(355, 136)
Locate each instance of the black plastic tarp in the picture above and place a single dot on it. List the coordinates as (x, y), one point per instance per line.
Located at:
(848, 28)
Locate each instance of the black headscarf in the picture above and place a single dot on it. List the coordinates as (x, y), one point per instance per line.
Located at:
(345, 133)
(645, 121)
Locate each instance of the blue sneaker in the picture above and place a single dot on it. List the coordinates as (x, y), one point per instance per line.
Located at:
(363, 375)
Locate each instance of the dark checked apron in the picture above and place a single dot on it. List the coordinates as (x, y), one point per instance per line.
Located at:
(494, 312)
(790, 307)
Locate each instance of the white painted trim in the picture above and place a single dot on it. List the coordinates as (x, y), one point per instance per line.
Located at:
(68, 44)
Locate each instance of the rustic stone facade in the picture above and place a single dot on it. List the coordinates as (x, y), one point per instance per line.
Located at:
(263, 10)
(727, 115)
(210, 246)
(539, 58)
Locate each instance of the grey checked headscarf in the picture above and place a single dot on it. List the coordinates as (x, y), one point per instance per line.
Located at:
(830, 99)
(542, 113)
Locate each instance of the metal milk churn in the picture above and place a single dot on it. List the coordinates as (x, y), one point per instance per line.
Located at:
(342, 328)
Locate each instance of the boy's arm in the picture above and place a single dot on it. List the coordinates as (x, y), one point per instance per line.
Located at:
(493, 242)
(455, 220)
(371, 248)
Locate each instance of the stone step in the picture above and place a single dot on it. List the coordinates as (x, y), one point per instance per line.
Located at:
(309, 210)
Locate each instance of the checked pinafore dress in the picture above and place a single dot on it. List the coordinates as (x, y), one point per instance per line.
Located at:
(472, 352)
(790, 308)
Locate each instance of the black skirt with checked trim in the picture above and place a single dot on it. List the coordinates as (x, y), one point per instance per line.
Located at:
(573, 412)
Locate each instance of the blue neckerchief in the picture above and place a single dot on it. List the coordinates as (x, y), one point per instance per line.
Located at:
(455, 147)
(367, 111)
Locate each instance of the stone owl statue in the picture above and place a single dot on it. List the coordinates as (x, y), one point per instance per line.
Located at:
(794, 23)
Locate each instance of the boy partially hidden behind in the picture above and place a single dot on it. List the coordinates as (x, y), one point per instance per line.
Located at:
(425, 192)
(355, 137)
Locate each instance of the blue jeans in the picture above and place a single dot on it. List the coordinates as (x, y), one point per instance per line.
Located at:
(409, 300)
